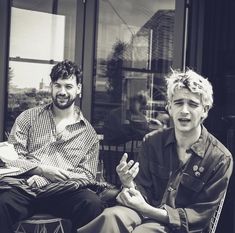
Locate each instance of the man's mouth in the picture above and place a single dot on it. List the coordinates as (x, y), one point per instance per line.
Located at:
(62, 98)
(184, 120)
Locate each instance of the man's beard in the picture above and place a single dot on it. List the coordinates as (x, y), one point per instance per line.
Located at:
(63, 105)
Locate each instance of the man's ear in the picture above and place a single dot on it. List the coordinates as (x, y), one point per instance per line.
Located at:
(168, 108)
(79, 89)
(205, 112)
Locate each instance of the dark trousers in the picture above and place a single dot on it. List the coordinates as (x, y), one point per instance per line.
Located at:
(80, 206)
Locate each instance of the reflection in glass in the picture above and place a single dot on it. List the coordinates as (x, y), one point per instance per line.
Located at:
(134, 52)
(34, 90)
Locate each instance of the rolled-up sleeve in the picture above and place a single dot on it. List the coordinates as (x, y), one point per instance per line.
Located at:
(19, 138)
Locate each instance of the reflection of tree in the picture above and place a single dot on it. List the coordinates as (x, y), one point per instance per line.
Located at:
(10, 76)
(18, 102)
(114, 71)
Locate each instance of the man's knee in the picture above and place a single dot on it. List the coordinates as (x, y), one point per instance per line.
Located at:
(91, 201)
(121, 214)
(5, 200)
(112, 212)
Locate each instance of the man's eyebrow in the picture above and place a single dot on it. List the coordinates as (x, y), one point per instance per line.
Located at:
(194, 102)
(190, 101)
(178, 100)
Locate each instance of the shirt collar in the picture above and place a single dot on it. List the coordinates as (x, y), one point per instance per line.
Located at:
(199, 147)
(81, 118)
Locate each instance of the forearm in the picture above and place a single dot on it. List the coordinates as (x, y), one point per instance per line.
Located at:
(52, 172)
(159, 214)
(36, 171)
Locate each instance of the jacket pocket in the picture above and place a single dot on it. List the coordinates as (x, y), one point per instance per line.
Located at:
(192, 183)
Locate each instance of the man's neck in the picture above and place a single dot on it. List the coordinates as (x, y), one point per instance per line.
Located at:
(63, 113)
(186, 140)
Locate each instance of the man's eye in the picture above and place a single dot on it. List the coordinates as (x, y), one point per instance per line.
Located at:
(193, 105)
(178, 103)
(57, 85)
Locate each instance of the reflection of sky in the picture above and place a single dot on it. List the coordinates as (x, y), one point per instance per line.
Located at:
(36, 35)
(120, 19)
(135, 12)
(29, 75)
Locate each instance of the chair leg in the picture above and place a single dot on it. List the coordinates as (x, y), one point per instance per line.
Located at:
(20, 229)
(59, 228)
(40, 228)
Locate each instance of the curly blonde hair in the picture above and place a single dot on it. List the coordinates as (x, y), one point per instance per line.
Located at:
(193, 82)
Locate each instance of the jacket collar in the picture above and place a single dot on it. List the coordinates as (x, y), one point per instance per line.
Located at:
(199, 147)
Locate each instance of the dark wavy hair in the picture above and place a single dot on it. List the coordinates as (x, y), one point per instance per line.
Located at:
(64, 70)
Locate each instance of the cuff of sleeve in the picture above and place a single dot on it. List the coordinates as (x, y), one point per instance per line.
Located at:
(23, 164)
(173, 214)
(41, 181)
(177, 218)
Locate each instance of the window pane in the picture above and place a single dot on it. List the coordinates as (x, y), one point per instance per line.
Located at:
(134, 51)
(34, 90)
(42, 33)
(45, 33)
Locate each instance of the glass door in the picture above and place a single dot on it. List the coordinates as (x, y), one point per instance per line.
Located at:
(134, 51)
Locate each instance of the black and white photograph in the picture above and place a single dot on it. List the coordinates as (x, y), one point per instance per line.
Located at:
(117, 116)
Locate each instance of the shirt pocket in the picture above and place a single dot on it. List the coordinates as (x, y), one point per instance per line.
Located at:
(192, 183)
(189, 189)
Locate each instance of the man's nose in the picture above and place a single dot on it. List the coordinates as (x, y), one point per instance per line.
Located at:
(185, 109)
(62, 91)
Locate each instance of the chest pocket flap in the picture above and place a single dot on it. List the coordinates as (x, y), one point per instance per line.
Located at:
(192, 182)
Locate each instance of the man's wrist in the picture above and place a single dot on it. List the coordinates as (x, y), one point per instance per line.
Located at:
(130, 185)
(37, 171)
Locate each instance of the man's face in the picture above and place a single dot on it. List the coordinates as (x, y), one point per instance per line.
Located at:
(186, 110)
(64, 92)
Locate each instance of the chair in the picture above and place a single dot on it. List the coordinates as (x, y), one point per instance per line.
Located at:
(215, 218)
(110, 156)
(40, 222)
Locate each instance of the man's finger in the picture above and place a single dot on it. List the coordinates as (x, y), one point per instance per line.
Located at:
(120, 166)
(124, 158)
(133, 191)
(134, 174)
(135, 167)
(30, 181)
(64, 174)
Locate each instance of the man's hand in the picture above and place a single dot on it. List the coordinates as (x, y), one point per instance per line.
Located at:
(53, 174)
(132, 198)
(32, 181)
(127, 171)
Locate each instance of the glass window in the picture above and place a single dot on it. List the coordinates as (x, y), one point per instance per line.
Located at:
(42, 32)
(134, 52)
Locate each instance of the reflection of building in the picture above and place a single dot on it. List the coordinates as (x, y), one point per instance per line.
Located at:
(154, 42)
(43, 86)
(152, 50)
